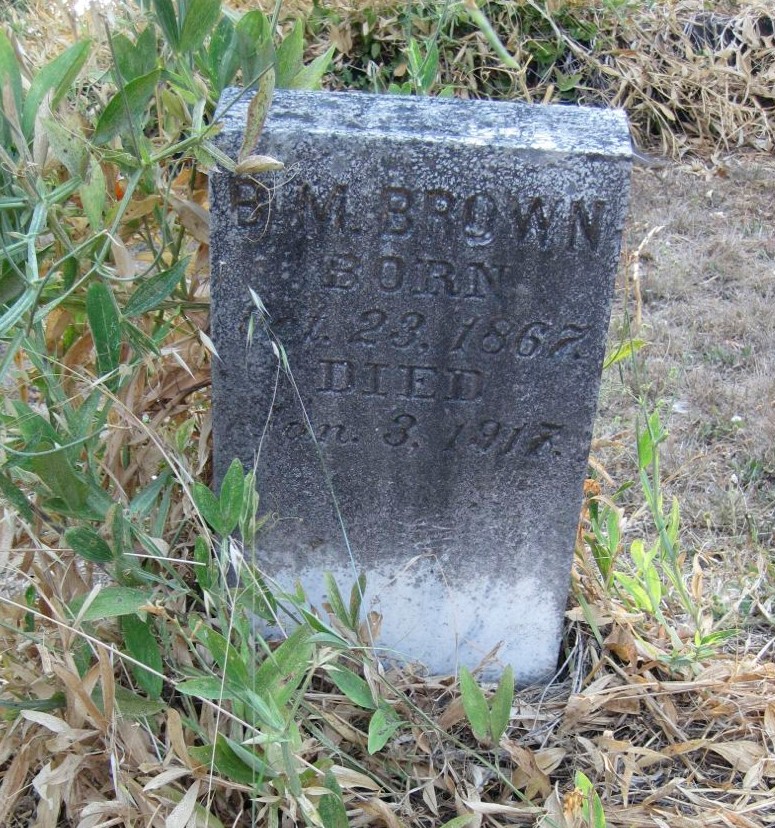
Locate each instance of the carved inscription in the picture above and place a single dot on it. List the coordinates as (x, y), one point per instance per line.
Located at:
(408, 381)
(406, 430)
(403, 213)
(373, 331)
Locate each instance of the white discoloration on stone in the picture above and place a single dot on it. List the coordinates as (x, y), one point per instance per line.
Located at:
(443, 623)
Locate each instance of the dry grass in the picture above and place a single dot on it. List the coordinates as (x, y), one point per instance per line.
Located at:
(688, 746)
(690, 79)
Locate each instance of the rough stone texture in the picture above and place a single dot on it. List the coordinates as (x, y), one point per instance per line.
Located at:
(439, 274)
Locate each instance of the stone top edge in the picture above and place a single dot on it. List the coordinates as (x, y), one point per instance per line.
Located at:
(549, 128)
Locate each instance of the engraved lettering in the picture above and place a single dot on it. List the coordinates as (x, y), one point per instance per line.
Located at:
(485, 280)
(371, 321)
(400, 430)
(335, 433)
(568, 338)
(495, 336)
(328, 210)
(294, 431)
(490, 436)
(531, 339)
(547, 432)
(464, 385)
(487, 434)
(511, 440)
(534, 222)
(409, 326)
(419, 384)
(430, 271)
(590, 226)
(340, 272)
(395, 215)
(249, 202)
(438, 206)
(390, 272)
(479, 215)
(337, 376)
(374, 372)
(467, 325)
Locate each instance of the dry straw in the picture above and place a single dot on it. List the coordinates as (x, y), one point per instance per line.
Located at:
(688, 747)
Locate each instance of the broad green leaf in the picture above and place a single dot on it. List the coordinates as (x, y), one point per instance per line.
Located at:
(142, 645)
(14, 496)
(459, 821)
(126, 109)
(55, 702)
(335, 599)
(222, 55)
(67, 144)
(645, 449)
(635, 590)
(33, 426)
(258, 597)
(142, 503)
(56, 77)
(331, 808)
(201, 16)
(500, 705)
(384, 723)
(414, 53)
(271, 712)
(203, 560)
(125, 57)
(9, 72)
(254, 45)
(290, 55)
(224, 761)
(592, 807)
(230, 496)
(138, 58)
(105, 326)
(11, 284)
(153, 291)
(353, 686)
(139, 340)
(311, 75)
(261, 770)
(128, 704)
(207, 504)
(475, 706)
(88, 544)
(625, 350)
(429, 69)
(227, 657)
(292, 656)
(60, 477)
(93, 194)
(168, 21)
(257, 112)
(211, 688)
(112, 602)
(653, 586)
(356, 598)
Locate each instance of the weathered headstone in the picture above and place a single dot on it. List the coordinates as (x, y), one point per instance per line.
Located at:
(439, 274)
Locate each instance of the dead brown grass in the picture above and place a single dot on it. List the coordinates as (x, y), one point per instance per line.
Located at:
(686, 746)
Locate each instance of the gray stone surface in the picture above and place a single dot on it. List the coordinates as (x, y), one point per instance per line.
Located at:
(439, 274)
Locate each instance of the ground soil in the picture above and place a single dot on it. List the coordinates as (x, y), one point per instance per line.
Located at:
(704, 286)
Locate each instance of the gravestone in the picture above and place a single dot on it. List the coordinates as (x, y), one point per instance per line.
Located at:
(437, 279)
